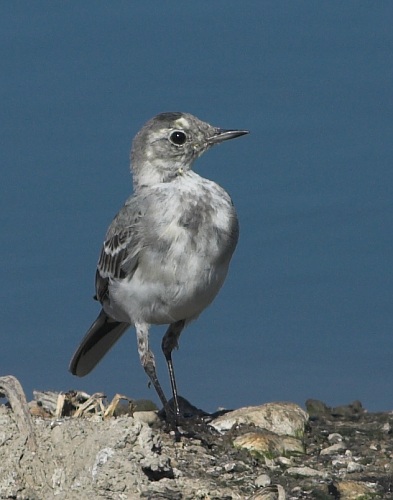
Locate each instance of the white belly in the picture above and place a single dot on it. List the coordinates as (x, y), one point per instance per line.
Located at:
(168, 298)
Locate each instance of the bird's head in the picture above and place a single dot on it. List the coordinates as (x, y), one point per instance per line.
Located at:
(168, 144)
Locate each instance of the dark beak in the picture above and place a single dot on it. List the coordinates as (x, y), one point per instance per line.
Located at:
(224, 135)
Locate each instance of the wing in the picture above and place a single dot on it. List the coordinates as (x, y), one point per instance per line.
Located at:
(121, 248)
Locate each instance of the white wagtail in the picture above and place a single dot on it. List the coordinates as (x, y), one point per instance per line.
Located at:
(166, 253)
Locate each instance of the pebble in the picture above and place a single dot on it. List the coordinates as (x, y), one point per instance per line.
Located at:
(351, 490)
(269, 445)
(335, 437)
(148, 417)
(271, 492)
(229, 467)
(354, 467)
(262, 480)
(286, 462)
(305, 471)
(333, 449)
(281, 418)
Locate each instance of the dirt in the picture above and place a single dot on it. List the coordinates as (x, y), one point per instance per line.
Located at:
(347, 455)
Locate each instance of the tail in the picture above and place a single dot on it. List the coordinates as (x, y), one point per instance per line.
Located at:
(102, 335)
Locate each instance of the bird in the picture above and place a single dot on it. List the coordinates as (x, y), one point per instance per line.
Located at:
(166, 253)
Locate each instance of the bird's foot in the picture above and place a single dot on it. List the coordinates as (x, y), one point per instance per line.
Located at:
(189, 422)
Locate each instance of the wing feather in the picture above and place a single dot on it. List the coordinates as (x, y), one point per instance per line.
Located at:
(121, 248)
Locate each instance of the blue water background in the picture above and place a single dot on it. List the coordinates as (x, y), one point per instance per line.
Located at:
(307, 307)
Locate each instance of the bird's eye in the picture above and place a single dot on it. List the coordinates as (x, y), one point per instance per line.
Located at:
(178, 137)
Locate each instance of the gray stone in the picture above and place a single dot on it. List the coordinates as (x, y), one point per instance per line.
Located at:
(280, 418)
(354, 467)
(305, 471)
(335, 437)
(147, 417)
(334, 448)
(271, 492)
(267, 444)
(262, 480)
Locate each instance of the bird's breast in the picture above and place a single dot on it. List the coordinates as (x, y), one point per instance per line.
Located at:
(185, 257)
(198, 218)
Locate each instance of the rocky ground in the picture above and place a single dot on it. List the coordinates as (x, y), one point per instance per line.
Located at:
(72, 446)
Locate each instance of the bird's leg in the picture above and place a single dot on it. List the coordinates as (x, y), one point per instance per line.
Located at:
(147, 359)
(169, 342)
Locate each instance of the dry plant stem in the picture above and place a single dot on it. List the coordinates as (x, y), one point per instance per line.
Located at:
(13, 391)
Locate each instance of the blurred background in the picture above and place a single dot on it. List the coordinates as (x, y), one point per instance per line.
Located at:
(306, 311)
